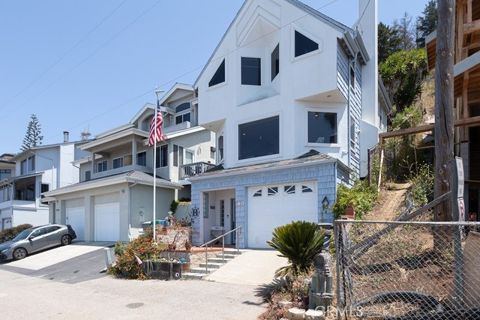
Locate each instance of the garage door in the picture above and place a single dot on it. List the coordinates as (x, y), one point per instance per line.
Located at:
(107, 221)
(76, 218)
(276, 205)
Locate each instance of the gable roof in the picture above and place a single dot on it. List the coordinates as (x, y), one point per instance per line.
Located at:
(300, 5)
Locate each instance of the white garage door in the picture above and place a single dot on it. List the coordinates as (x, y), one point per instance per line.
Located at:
(76, 218)
(276, 205)
(107, 221)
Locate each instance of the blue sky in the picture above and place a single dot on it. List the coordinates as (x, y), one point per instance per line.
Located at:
(92, 64)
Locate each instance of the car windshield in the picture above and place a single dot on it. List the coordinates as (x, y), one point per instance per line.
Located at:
(22, 235)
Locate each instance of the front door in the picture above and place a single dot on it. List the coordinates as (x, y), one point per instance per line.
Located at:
(233, 221)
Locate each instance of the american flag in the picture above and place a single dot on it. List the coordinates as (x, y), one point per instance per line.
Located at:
(156, 128)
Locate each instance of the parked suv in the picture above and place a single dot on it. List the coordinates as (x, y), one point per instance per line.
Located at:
(36, 239)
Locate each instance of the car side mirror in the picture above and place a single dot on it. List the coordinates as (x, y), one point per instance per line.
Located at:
(31, 238)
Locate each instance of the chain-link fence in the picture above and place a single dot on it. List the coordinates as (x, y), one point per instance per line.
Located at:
(408, 270)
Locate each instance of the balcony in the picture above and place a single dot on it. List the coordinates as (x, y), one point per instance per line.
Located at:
(194, 169)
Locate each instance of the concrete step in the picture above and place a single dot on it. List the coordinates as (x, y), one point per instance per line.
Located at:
(233, 251)
(211, 265)
(227, 256)
(193, 276)
(198, 270)
(218, 259)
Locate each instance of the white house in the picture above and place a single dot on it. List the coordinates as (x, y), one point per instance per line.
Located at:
(114, 196)
(37, 170)
(293, 98)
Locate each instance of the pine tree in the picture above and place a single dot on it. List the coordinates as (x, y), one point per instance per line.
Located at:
(33, 136)
(388, 41)
(406, 32)
(427, 23)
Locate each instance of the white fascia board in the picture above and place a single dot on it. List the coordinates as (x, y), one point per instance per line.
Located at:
(113, 131)
(114, 137)
(175, 87)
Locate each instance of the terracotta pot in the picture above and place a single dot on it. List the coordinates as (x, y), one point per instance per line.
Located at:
(349, 212)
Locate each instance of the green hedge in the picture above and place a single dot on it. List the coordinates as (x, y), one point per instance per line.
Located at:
(9, 234)
(361, 197)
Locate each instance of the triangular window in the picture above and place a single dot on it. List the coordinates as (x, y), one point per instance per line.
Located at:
(304, 44)
(219, 76)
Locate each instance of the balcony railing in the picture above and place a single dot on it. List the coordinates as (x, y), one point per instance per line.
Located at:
(193, 169)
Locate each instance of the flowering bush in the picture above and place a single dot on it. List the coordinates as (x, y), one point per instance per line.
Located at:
(129, 257)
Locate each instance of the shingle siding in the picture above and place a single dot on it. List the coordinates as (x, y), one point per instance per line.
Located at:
(324, 174)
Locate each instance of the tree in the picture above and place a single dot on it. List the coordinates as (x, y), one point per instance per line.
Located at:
(402, 74)
(388, 41)
(427, 22)
(406, 32)
(33, 136)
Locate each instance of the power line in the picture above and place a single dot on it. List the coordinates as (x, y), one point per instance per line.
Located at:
(92, 54)
(65, 54)
(129, 100)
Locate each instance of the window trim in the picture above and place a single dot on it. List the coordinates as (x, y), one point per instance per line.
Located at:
(102, 162)
(137, 159)
(224, 60)
(185, 151)
(319, 144)
(308, 35)
(117, 159)
(259, 158)
(273, 77)
(259, 75)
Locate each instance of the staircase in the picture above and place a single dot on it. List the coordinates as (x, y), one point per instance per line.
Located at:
(213, 263)
(215, 260)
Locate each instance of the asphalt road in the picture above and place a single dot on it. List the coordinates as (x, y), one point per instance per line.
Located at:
(31, 297)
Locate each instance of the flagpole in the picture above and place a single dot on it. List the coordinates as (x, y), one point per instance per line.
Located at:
(155, 173)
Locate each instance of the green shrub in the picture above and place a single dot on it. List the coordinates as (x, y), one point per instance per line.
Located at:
(361, 197)
(422, 185)
(9, 234)
(174, 206)
(127, 266)
(299, 242)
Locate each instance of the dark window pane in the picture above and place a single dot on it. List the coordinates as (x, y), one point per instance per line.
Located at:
(178, 119)
(186, 117)
(44, 188)
(352, 77)
(219, 75)
(164, 152)
(322, 127)
(251, 74)
(142, 159)
(259, 138)
(175, 155)
(275, 61)
(183, 107)
(303, 44)
(180, 155)
(88, 175)
(220, 147)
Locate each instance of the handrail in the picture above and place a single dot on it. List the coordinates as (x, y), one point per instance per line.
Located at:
(236, 230)
(221, 236)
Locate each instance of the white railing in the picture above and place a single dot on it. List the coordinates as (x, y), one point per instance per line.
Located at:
(222, 237)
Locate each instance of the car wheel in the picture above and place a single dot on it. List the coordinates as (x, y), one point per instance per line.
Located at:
(19, 253)
(66, 240)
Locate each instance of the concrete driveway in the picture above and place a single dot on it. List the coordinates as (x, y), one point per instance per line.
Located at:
(253, 267)
(74, 263)
(24, 297)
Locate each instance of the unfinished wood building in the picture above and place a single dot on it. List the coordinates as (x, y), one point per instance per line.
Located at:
(467, 96)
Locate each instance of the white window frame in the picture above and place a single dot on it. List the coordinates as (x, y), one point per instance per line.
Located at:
(324, 110)
(185, 151)
(102, 162)
(121, 159)
(261, 158)
(308, 35)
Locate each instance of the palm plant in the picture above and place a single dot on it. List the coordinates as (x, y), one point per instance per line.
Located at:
(299, 242)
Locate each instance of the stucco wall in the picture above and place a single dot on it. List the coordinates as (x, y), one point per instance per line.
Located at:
(324, 174)
(141, 204)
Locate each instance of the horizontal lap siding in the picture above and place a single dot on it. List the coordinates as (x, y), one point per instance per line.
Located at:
(355, 109)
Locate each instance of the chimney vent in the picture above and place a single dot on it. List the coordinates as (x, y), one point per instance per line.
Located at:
(66, 136)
